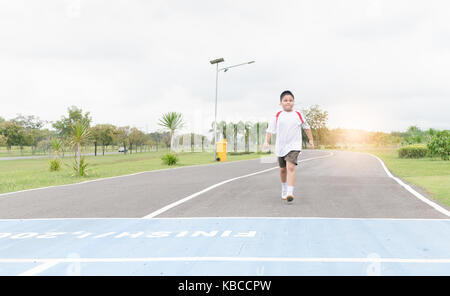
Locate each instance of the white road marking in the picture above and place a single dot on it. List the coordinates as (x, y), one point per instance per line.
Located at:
(228, 217)
(415, 193)
(178, 202)
(53, 261)
(38, 269)
(304, 218)
(48, 263)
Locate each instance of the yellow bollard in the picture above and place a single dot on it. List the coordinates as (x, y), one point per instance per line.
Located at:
(222, 150)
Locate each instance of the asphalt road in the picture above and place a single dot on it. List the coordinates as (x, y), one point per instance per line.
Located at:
(345, 185)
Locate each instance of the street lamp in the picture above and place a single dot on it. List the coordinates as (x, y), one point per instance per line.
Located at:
(217, 61)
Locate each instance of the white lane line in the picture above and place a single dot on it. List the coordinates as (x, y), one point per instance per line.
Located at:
(415, 193)
(40, 268)
(53, 261)
(121, 176)
(226, 218)
(174, 204)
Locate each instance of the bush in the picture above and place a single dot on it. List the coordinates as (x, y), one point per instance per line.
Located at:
(239, 153)
(83, 167)
(413, 151)
(55, 165)
(440, 145)
(263, 152)
(170, 159)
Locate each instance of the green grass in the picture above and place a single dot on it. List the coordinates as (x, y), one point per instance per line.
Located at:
(431, 174)
(34, 173)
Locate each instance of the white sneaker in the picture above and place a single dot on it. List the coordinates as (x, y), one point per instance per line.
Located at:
(283, 194)
(289, 198)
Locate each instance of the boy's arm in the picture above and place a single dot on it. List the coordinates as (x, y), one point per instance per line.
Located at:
(307, 130)
(310, 137)
(267, 141)
(270, 130)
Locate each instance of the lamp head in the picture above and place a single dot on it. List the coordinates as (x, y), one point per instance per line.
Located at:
(216, 61)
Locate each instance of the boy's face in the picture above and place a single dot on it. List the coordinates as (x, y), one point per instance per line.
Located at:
(287, 102)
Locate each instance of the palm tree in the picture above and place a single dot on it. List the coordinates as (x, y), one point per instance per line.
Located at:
(172, 121)
(235, 128)
(232, 133)
(247, 126)
(57, 146)
(81, 134)
(258, 128)
(222, 127)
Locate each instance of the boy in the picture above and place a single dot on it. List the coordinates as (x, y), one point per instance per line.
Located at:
(287, 125)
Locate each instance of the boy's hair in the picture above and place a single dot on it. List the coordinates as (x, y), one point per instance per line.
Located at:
(286, 92)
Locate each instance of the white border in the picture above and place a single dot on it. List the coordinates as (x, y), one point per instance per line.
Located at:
(50, 262)
(38, 269)
(412, 191)
(228, 217)
(276, 259)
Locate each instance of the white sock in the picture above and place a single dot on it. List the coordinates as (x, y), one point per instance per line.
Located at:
(284, 186)
(290, 190)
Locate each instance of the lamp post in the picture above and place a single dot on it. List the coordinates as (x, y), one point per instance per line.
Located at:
(225, 69)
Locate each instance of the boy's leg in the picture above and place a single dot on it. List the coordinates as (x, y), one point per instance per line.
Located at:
(291, 163)
(283, 175)
(290, 180)
(283, 170)
(284, 186)
(290, 173)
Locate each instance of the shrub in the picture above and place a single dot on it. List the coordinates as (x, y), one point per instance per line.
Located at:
(440, 145)
(263, 152)
(239, 153)
(413, 151)
(170, 159)
(83, 167)
(55, 165)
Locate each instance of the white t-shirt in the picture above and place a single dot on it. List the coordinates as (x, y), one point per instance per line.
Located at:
(288, 131)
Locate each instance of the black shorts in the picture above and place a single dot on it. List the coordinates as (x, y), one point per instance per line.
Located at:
(291, 157)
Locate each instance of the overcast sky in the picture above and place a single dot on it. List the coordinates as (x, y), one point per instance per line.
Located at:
(373, 65)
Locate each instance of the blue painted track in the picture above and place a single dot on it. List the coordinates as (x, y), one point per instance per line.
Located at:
(225, 246)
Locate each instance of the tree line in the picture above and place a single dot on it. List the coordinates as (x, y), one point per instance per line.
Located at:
(29, 131)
